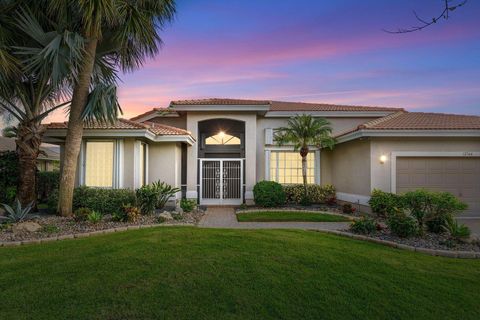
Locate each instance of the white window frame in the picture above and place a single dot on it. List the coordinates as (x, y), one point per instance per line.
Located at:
(117, 181)
(316, 161)
(136, 164)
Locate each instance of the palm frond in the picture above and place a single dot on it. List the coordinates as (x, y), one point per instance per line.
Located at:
(102, 105)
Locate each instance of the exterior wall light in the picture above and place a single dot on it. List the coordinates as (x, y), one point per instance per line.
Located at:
(383, 158)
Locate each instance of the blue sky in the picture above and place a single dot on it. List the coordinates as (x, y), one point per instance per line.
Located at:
(314, 51)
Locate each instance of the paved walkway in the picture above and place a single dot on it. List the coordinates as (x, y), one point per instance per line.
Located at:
(224, 217)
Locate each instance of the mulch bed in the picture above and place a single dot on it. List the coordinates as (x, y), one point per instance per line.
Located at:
(59, 226)
(429, 241)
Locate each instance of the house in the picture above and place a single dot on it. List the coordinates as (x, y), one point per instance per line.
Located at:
(48, 160)
(217, 149)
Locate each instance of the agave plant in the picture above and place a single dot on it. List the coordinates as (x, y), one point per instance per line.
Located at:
(458, 232)
(164, 192)
(16, 214)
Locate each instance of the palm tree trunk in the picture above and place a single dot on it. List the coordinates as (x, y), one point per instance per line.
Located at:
(75, 131)
(29, 138)
(303, 153)
(304, 175)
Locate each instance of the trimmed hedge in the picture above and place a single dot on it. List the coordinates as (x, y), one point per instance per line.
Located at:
(47, 182)
(105, 201)
(268, 194)
(384, 203)
(316, 193)
(8, 176)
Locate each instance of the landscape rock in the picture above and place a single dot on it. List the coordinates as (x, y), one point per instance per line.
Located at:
(28, 226)
(166, 215)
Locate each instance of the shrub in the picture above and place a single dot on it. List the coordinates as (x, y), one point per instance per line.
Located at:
(131, 213)
(331, 201)
(457, 232)
(94, 217)
(147, 197)
(16, 213)
(384, 203)
(81, 214)
(363, 226)
(9, 173)
(316, 193)
(348, 208)
(47, 182)
(188, 204)
(268, 194)
(428, 206)
(177, 216)
(50, 228)
(164, 193)
(105, 201)
(52, 201)
(402, 224)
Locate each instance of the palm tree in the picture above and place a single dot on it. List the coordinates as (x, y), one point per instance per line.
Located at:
(31, 89)
(121, 33)
(304, 131)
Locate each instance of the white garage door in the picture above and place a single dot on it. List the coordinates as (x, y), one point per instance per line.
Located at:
(459, 176)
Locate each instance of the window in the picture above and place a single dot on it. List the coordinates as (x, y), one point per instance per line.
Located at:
(286, 167)
(222, 138)
(99, 163)
(143, 164)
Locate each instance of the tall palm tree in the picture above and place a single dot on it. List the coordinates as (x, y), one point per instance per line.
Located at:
(123, 33)
(304, 131)
(31, 88)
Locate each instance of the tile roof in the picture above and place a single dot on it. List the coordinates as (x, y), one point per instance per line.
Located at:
(153, 111)
(424, 121)
(282, 105)
(124, 124)
(420, 121)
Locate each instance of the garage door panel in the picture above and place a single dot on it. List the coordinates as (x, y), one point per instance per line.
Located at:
(459, 176)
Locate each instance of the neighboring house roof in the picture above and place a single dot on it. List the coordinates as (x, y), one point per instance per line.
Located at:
(419, 123)
(153, 131)
(281, 105)
(49, 152)
(154, 112)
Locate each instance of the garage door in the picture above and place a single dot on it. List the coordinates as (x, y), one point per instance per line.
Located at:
(459, 176)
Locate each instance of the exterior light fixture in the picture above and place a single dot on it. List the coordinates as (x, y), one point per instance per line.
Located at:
(383, 158)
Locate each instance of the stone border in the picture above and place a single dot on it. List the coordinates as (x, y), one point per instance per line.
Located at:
(87, 234)
(392, 244)
(352, 218)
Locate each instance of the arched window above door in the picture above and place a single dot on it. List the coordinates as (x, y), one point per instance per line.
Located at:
(222, 138)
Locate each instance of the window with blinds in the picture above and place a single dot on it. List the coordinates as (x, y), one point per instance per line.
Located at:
(99, 164)
(286, 167)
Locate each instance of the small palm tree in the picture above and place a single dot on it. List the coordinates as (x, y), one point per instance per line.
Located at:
(304, 131)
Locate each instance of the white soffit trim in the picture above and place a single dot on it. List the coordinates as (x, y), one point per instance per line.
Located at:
(125, 134)
(408, 133)
(230, 107)
(339, 114)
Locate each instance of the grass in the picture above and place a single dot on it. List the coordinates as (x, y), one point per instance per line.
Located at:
(283, 216)
(192, 273)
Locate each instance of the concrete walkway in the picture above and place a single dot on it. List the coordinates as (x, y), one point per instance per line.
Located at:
(224, 217)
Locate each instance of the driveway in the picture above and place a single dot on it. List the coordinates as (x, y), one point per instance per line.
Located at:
(224, 217)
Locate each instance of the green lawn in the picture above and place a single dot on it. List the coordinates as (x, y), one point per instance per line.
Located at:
(193, 273)
(282, 216)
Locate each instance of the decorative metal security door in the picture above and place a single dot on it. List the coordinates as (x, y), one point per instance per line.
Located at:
(221, 181)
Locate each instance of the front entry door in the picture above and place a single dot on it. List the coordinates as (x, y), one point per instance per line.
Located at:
(221, 181)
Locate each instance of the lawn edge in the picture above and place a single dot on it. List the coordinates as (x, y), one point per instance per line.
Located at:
(431, 252)
(88, 234)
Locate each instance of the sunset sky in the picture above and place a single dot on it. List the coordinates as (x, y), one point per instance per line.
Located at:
(314, 51)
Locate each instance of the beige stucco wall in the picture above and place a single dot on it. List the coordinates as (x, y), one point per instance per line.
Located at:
(350, 167)
(164, 163)
(338, 125)
(179, 122)
(251, 164)
(381, 173)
